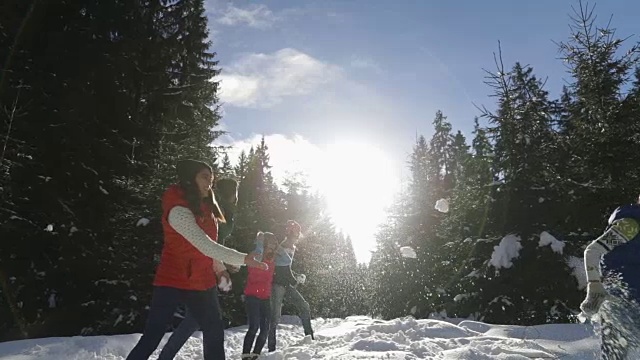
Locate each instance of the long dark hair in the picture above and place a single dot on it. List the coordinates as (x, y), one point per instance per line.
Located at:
(187, 171)
(225, 188)
(269, 238)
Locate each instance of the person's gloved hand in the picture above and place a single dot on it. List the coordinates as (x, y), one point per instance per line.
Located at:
(301, 278)
(596, 295)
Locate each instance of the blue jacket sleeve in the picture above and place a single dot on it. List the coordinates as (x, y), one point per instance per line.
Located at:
(259, 245)
(283, 258)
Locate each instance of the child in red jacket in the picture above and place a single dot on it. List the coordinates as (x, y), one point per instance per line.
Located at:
(257, 292)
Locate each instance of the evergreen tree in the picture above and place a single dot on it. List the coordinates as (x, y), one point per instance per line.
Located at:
(523, 139)
(596, 129)
(410, 224)
(119, 93)
(226, 169)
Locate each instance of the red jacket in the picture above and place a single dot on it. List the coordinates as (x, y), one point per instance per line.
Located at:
(259, 281)
(181, 265)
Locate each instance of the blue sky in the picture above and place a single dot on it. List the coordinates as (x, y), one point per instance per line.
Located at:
(306, 73)
(381, 68)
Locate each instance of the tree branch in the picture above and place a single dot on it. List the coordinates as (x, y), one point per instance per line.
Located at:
(11, 117)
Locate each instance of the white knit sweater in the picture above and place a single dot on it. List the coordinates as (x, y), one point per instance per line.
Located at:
(182, 220)
(599, 247)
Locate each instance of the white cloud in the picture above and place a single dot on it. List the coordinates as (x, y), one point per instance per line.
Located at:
(365, 63)
(287, 155)
(263, 80)
(256, 16)
(239, 89)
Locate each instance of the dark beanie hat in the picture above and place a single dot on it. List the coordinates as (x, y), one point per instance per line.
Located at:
(188, 168)
(226, 187)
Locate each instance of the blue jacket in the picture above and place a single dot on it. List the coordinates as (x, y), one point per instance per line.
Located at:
(283, 261)
(283, 258)
(623, 261)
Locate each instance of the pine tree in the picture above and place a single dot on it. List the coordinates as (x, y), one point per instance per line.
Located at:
(522, 207)
(524, 143)
(409, 225)
(67, 125)
(595, 127)
(240, 170)
(441, 173)
(226, 169)
(115, 97)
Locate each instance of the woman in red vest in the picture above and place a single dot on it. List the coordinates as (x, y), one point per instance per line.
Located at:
(186, 273)
(257, 292)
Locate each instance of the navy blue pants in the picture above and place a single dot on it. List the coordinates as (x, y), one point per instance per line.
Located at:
(202, 304)
(259, 317)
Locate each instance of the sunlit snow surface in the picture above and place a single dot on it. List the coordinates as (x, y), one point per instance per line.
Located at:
(351, 338)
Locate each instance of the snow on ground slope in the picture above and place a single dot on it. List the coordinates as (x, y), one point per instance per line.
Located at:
(356, 337)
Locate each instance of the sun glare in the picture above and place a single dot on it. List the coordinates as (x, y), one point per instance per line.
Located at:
(359, 182)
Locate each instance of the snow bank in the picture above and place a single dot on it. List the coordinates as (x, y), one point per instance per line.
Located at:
(356, 337)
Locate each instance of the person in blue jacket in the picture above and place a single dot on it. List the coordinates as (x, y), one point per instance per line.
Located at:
(612, 263)
(284, 282)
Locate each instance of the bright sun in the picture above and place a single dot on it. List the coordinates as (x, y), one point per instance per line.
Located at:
(359, 182)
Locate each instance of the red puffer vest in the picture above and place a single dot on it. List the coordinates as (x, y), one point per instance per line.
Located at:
(259, 281)
(181, 265)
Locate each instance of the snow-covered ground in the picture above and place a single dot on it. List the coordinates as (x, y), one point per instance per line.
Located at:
(356, 337)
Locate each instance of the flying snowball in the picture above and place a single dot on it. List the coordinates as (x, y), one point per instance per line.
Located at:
(301, 278)
(143, 222)
(224, 285)
(408, 252)
(442, 205)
